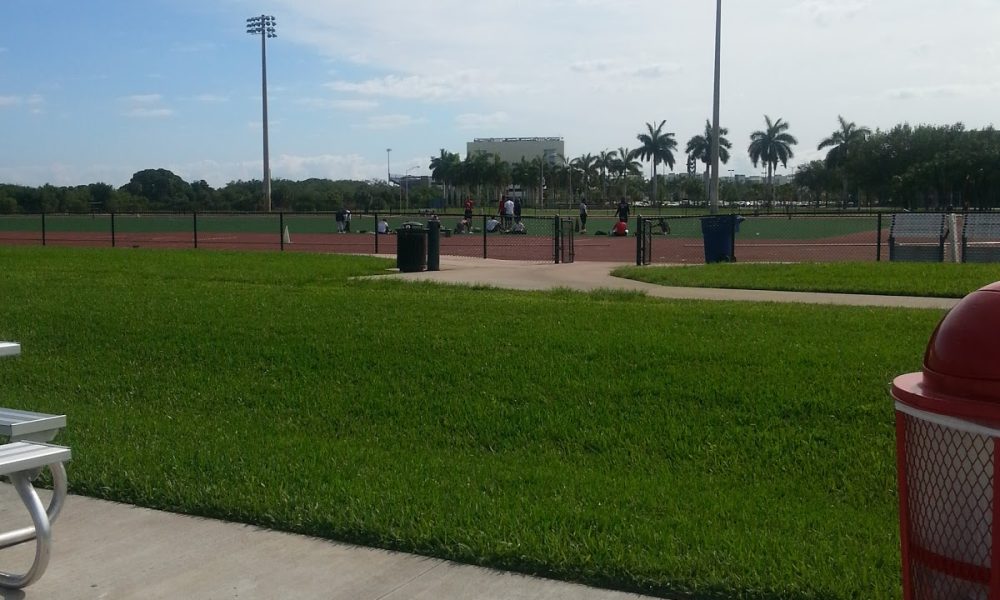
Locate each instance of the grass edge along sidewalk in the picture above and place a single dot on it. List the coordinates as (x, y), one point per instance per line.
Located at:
(939, 280)
(717, 449)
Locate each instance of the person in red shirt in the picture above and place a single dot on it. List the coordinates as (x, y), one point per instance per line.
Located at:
(468, 209)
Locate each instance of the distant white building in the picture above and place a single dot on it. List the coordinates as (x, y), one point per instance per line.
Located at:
(512, 150)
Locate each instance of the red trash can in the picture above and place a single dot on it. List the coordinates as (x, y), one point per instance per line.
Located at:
(948, 457)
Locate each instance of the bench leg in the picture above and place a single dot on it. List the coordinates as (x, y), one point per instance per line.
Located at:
(59, 490)
(42, 530)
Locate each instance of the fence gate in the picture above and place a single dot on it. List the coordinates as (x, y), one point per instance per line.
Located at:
(564, 251)
(643, 241)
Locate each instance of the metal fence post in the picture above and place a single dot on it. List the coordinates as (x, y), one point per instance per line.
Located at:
(639, 238)
(878, 239)
(194, 219)
(556, 238)
(484, 235)
(112, 230)
(43, 227)
(376, 232)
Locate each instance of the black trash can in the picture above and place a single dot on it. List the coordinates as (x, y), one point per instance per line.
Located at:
(719, 233)
(434, 246)
(411, 247)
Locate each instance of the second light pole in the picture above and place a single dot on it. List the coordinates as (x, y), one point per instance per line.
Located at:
(713, 192)
(265, 27)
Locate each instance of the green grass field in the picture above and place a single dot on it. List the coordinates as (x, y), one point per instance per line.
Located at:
(705, 448)
(946, 280)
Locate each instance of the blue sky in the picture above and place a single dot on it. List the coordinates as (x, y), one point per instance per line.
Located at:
(94, 91)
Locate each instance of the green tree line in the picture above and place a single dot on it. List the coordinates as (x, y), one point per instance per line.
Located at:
(162, 190)
(921, 167)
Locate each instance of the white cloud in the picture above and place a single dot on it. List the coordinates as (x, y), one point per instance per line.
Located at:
(6, 101)
(961, 90)
(211, 98)
(142, 98)
(602, 65)
(392, 122)
(283, 166)
(358, 105)
(826, 12)
(478, 121)
(652, 70)
(606, 68)
(194, 47)
(451, 86)
(149, 113)
(328, 103)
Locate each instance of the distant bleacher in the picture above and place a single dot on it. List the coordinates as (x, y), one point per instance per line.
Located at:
(917, 237)
(981, 238)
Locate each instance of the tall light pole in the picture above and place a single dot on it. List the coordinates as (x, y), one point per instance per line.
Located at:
(388, 177)
(265, 27)
(714, 189)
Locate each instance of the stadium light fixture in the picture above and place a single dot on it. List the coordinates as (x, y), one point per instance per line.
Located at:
(266, 27)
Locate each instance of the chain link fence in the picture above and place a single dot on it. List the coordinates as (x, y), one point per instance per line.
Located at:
(671, 239)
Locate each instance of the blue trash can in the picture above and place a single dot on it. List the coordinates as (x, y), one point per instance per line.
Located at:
(719, 234)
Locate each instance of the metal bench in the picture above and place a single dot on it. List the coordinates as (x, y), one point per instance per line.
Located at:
(21, 462)
(917, 237)
(23, 425)
(22, 459)
(981, 238)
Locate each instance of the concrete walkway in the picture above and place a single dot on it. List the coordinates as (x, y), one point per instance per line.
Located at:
(104, 550)
(587, 276)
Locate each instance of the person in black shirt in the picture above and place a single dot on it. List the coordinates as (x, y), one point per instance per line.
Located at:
(622, 210)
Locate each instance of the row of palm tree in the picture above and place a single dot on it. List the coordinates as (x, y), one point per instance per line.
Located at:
(769, 146)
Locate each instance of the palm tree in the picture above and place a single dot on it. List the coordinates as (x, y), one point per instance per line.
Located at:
(446, 168)
(625, 164)
(606, 163)
(840, 142)
(521, 174)
(657, 147)
(587, 165)
(772, 146)
(498, 174)
(700, 148)
(567, 170)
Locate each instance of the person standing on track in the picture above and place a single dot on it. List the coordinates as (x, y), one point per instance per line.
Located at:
(583, 215)
(508, 214)
(468, 209)
(622, 211)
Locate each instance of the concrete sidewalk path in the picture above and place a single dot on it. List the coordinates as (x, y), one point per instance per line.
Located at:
(587, 276)
(109, 551)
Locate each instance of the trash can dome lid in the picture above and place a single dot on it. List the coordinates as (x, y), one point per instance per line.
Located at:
(963, 355)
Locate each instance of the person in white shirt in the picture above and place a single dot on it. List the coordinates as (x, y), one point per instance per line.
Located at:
(508, 214)
(493, 225)
(383, 226)
(583, 215)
